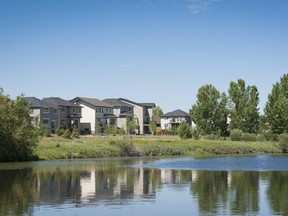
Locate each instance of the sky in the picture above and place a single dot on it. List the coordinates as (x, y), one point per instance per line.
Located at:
(159, 51)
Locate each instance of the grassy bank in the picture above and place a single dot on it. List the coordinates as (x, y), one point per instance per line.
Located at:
(101, 147)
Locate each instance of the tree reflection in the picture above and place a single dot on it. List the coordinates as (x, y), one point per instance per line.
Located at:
(17, 191)
(211, 190)
(278, 192)
(245, 186)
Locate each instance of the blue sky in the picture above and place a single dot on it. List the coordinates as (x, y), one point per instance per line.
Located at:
(158, 51)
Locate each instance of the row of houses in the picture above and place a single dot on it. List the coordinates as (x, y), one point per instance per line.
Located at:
(84, 113)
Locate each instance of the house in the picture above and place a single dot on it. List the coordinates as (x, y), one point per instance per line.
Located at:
(69, 114)
(142, 112)
(173, 119)
(94, 111)
(121, 110)
(54, 112)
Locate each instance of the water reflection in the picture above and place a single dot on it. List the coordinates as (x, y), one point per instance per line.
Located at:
(110, 183)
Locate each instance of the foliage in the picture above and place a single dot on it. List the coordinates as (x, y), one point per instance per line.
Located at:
(127, 149)
(18, 137)
(59, 131)
(276, 108)
(184, 130)
(244, 111)
(67, 134)
(121, 131)
(196, 133)
(152, 126)
(110, 130)
(283, 142)
(47, 132)
(236, 135)
(98, 127)
(210, 112)
(172, 131)
(75, 133)
(158, 111)
(131, 125)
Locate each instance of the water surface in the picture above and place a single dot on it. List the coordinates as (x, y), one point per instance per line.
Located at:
(251, 185)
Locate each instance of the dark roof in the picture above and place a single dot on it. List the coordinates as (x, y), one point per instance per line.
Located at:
(93, 101)
(59, 102)
(138, 104)
(148, 104)
(36, 102)
(116, 102)
(176, 113)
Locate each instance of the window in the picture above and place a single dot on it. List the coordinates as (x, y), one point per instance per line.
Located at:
(106, 109)
(99, 110)
(53, 124)
(73, 110)
(79, 110)
(63, 109)
(46, 109)
(63, 122)
(130, 109)
(55, 111)
(45, 121)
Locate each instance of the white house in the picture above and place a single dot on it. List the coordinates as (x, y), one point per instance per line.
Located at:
(94, 110)
(173, 119)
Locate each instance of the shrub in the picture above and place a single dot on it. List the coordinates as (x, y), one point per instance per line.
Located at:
(67, 134)
(236, 135)
(110, 130)
(196, 133)
(269, 136)
(184, 130)
(47, 132)
(249, 137)
(59, 131)
(260, 138)
(283, 142)
(121, 131)
(126, 148)
(75, 133)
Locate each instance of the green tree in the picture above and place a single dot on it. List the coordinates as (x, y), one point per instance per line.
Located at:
(158, 111)
(210, 112)
(152, 126)
(18, 137)
(131, 124)
(276, 108)
(184, 130)
(98, 127)
(244, 111)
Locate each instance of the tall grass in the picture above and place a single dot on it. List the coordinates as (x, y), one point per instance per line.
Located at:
(117, 146)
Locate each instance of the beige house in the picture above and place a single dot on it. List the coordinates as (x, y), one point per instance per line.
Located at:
(94, 110)
(142, 112)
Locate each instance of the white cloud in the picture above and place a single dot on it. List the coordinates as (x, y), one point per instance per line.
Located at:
(197, 6)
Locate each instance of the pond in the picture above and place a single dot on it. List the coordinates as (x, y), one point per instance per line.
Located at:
(246, 185)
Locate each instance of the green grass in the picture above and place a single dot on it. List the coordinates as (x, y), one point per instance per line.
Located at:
(110, 146)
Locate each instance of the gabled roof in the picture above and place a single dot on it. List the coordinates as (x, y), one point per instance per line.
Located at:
(59, 102)
(176, 113)
(148, 104)
(93, 101)
(116, 102)
(138, 104)
(36, 102)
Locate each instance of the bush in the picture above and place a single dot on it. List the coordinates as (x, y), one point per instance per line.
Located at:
(110, 130)
(184, 130)
(213, 137)
(121, 131)
(236, 135)
(249, 137)
(47, 132)
(283, 142)
(67, 134)
(260, 138)
(126, 148)
(269, 136)
(75, 133)
(59, 131)
(196, 133)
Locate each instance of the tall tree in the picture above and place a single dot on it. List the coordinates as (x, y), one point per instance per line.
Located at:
(18, 137)
(158, 111)
(210, 111)
(244, 111)
(152, 126)
(276, 108)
